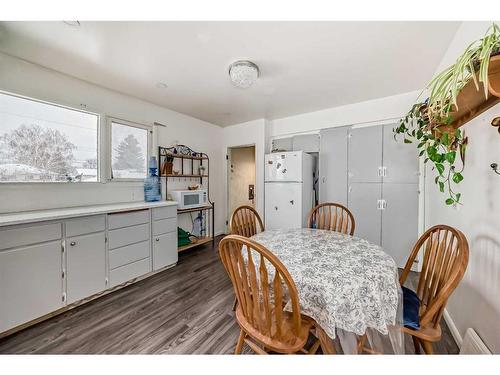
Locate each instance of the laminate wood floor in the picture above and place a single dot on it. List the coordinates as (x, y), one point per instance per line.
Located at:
(186, 309)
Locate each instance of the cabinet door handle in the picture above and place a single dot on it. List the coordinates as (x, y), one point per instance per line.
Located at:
(384, 171)
(157, 239)
(72, 243)
(379, 172)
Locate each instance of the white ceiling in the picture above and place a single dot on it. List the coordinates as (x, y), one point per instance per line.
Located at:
(305, 66)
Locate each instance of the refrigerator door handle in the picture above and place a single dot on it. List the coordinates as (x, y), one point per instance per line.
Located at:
(292, 201)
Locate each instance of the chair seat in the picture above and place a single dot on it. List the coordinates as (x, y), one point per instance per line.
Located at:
(290, 343)
(428, 333)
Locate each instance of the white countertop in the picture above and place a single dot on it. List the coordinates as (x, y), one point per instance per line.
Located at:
(65, 213)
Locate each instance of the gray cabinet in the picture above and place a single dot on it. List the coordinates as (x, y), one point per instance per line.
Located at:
(306, 143)
(30, 282)
(48, 265)
(399, 220)
(282, 144)
(165, 250)
(333, 165)
(129, 246)
(364, 203)
(400, 160)
(383, 189)
(365, 154)
(85, 266)
(164, 230)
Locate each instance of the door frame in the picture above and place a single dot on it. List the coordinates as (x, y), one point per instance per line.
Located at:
(228, 175)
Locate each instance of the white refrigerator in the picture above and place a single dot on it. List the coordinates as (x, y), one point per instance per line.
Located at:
(288, 189)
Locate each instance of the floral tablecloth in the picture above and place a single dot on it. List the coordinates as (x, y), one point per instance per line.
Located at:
(343, 282)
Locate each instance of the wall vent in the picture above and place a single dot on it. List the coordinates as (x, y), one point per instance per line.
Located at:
(473, 344)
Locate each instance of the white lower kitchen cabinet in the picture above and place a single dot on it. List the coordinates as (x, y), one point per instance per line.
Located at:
(46, 265)
(85, 266)
(30, 283)
(165, 250)
(164, 230)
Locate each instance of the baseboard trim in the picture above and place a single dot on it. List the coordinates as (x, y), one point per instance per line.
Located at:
(453, 328)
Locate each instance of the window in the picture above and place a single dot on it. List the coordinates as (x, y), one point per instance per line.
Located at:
(129, 150)
(43, 142)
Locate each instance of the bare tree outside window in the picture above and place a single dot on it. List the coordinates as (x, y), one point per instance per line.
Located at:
(43, 148)
(43, 142)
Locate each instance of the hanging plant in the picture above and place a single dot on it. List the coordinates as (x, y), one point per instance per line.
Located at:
(429, 123)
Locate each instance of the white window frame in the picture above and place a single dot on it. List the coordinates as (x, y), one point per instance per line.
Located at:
(99, 142)
(109, 144)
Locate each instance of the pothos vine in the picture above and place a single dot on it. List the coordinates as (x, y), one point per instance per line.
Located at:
(439, 143)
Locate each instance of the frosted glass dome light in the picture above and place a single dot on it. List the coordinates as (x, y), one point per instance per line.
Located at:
(243, 73)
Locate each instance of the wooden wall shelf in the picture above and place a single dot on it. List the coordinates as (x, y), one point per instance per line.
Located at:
(472, 102)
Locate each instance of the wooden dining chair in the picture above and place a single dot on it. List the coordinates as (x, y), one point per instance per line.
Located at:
(245, 221)
(331, 216)
(445, 258)
(261, 283)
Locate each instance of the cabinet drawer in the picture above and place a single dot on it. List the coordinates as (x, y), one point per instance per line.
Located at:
(128, 254)
(127, 219)
(129, 235)
(21, 236)
(128, 272)
(164, 212)
(164, 226)
(85, 225)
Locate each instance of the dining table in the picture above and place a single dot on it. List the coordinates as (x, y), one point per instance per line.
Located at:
(348, 285)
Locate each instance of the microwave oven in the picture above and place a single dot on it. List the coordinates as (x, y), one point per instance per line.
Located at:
(190, 198)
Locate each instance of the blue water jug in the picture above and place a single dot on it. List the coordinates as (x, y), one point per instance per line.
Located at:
(152, 185)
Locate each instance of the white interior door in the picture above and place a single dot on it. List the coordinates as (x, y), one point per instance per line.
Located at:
(363, 203)
(283, 205)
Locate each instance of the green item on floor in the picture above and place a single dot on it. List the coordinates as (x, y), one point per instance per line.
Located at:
(182, 237)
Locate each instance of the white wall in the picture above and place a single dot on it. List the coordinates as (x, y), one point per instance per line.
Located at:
(247, 133)
(373, 111)
(35, 81)
(475, 303)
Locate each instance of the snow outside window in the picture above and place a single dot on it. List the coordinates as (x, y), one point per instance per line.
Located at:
(129, 150)
(44, 142)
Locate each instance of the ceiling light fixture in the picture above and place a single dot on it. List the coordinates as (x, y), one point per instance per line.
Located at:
(243, 73)
(72, 23)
